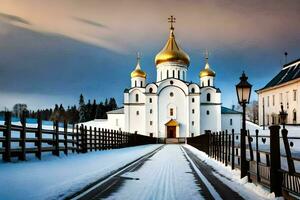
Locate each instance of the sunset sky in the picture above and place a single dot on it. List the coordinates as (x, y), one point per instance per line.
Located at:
(51, 51)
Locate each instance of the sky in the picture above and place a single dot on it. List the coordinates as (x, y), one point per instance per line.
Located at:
(51, 51)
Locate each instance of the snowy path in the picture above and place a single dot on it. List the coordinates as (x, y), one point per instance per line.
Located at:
(166, 175)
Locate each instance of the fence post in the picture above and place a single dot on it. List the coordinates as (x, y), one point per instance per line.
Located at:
(65, 137)
(229, 147)
(23, 137)
(220, 146)
(250, 146)
(232, 150)
(38, 136)
(226, 135)
(77, 139)
(82, 138)
(95, 139)
(289, 158)
(257, 156)
(56, 140)
(7, 135)
(91, 139)
(223, 146)
(275, 175)
(85, 139)
(105, 139)
(73, 138)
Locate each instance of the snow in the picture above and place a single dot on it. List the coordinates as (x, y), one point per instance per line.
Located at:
(57, 177)
(166, 175)
(232, 178)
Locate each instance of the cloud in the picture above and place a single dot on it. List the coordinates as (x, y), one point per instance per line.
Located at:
(90, 22)
(13, 18)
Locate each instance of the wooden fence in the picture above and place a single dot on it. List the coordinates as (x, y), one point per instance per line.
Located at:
(21, 140)
(263, 165)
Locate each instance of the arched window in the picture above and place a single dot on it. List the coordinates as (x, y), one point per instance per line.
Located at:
(178, 74)
(173, 73)
(294, 116)
(141, 83)
(150, 90)
(135, 83)
(193, 90)
(167, 73)
(208, 82)
(207, 112)
(193, 100)
(136, 97)
(150, 100)
(208, 97)
(202, 84)
(137, 112)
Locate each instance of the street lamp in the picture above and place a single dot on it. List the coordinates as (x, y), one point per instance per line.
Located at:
(243, 91)
(283, 116)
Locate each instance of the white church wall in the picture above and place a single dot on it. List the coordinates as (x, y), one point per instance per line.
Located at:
(194, 114)
(179, 100)
(165, 70)
(210, 118)
(231, 121)
(207, 81)
(151, 122)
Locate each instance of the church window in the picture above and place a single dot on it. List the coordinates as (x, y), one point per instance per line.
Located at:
(193, 111)
(171, 94)
(141, 83)
(273, 99)
(294, 116)
(135, 83)
(202, 84)
(193, 100)
(137, 112)
(208, 97)
(208, 82)
(151, 123)
(193, 90)
(150, 100)
(173, 73)
(230, 122)
(192, 134)
(207, 112)
(171, 82)
(151, 90)
(178, 75)
(171, 112)
(295, 95)
(136, 97)
(193, 123)
(167, 73)
(150, 111)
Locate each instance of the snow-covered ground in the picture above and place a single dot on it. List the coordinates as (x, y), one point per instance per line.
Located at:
(241, 186)
(167, 175)
(57, 177)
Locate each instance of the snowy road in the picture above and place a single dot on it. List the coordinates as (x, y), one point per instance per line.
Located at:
(166, 175)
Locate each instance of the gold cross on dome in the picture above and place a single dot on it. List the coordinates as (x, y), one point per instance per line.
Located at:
(206, 54)
(172, 20)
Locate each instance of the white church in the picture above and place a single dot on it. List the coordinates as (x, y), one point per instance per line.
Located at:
(172, 107)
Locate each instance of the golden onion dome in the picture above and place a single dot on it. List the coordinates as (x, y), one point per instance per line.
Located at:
(172, 52)
(207, 72)
(138, 72)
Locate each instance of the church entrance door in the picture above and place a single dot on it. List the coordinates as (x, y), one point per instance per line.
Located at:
(171, 131)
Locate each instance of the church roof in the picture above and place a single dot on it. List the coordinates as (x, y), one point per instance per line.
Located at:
(117, 111)
(172, 122)
(289, 72)
(225, 110)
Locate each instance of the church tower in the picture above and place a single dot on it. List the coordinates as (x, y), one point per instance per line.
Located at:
(138, 76)
(207, 75)
(171, 61)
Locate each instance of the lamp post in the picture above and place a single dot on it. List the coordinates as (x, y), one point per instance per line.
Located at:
(283, 116)
(243, 91)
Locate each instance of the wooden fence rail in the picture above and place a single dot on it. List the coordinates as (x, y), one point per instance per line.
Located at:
(21, 140)
(264, 166)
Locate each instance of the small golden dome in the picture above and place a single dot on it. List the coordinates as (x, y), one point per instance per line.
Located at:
(172, 52)
(207, 72)
(138, 72)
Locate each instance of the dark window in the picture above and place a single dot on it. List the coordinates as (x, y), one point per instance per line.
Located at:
(141, 83)
(173, 73)
(151, 90)
(208, 82)
(192, 134)
(171, 82)
(150, 100)
(178, 74)
(150, 123)
(150, 111)
(294, 116)
(193, 100)
(208, 97)
(171, 94)
(207, 112)
(230, 122)
(193, 123)
(183, 75)
(193, 90)
(135, 83)
(136, 97)
(137, 112)
(167, 73)
(171, 112)
(193, 111)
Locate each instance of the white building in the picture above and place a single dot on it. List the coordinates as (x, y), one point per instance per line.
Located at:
(282, 89)
(172, 107)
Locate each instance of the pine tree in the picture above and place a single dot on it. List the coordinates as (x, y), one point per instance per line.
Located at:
(82, 109)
